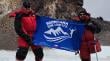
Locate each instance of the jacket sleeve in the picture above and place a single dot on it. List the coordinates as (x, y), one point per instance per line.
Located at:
(13, 13)
(18, 28)
(94, 27)
(97, 27)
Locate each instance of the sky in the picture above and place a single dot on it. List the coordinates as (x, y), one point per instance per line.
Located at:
(98, 8)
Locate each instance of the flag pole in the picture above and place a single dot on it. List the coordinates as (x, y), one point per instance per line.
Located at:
(96, 53)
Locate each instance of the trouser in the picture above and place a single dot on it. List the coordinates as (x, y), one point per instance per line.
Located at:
(23, 50)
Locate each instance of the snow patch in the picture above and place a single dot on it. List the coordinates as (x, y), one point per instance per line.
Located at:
(56, 54)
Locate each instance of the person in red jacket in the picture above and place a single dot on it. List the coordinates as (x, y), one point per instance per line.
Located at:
(25, 26)
(88, 36)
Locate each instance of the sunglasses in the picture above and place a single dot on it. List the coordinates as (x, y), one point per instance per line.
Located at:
(83, 14)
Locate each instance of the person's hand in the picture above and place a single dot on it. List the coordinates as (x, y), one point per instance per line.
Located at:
(76, 52)
(29, 41)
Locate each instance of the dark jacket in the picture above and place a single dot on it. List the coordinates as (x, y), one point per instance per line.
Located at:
(93, 27)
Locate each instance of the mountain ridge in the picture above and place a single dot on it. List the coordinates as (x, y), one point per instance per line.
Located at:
(59, 9)
(56, 31)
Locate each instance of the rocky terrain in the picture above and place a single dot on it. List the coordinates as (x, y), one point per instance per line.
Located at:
(61, 9)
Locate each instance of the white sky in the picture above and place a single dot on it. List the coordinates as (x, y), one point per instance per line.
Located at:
(98, 8)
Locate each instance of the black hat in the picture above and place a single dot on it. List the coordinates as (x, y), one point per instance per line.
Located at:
(26, 4)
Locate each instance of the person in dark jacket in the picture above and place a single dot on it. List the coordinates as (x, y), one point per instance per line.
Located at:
(88, 36)
(25, 26)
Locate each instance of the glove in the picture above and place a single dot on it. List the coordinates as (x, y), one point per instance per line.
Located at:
(28, 40)
(76, 52)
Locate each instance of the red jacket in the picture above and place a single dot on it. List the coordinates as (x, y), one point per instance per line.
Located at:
(28, 20)
(25, 23)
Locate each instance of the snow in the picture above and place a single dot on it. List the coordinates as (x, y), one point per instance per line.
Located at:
(56, 54)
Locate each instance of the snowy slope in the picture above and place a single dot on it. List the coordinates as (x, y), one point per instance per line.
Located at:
(55, 54)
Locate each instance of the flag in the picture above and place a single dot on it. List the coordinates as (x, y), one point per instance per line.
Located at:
(58, 33)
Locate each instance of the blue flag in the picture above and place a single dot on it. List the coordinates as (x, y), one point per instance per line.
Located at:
(58, 33)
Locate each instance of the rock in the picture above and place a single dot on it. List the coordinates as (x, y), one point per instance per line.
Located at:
(61, 9)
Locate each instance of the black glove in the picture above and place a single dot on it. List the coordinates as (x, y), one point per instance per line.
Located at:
(76, 52)
(18, 16)
(28, 40)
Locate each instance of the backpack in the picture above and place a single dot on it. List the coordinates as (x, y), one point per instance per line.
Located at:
(94, 46)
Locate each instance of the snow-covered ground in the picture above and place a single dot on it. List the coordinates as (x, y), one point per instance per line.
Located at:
(56, 54)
